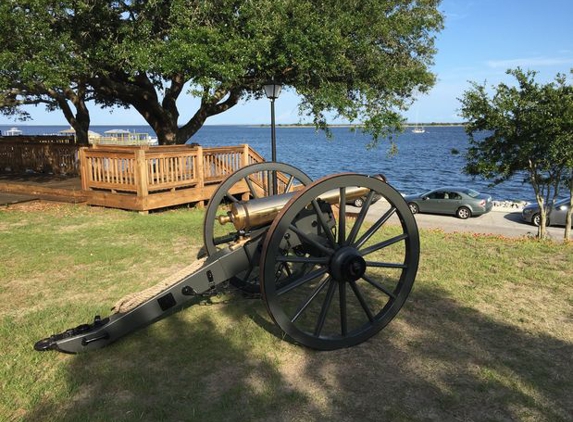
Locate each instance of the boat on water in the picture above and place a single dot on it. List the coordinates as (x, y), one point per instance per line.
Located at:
(125, 137)
(418, 129)
(117, 137)
(14, 131)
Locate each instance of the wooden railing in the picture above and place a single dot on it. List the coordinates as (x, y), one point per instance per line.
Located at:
(41, 154)
(144, 170)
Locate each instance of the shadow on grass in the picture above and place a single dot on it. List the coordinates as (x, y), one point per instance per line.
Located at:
(437, 361)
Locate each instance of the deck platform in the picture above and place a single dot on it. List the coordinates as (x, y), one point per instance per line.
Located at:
(138, 178)
(17, 188)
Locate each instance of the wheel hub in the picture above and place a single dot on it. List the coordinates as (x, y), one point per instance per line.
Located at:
(347, 265)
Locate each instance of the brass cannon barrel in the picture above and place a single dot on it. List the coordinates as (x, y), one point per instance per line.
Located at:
(246, 215)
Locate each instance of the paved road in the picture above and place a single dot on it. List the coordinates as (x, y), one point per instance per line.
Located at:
(506, 222)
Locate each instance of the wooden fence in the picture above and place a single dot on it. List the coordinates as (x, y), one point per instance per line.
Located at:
(143, 178)
(41, 154)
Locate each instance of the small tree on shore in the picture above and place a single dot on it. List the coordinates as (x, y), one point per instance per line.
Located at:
(521, 128)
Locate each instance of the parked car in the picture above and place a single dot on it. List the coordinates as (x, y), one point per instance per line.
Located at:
(358, 202)
(557, 217)
(458, 201)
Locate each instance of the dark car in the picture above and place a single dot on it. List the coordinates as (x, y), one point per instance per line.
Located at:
(458, 201)
(358, 202)
(557, 217)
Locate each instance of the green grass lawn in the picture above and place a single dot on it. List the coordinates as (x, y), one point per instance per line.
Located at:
(486, 335)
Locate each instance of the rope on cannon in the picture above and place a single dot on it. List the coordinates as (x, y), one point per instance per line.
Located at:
(133, 300)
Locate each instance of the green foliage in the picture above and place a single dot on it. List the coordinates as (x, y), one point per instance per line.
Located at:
(527, 127)
(361, 60)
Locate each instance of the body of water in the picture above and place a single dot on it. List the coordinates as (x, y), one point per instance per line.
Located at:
(424, 160)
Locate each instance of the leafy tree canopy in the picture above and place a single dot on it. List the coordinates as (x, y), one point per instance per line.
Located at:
(361, 59)
(522, 127)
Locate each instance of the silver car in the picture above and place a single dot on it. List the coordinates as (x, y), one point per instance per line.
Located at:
(557, 217)
(461, 202)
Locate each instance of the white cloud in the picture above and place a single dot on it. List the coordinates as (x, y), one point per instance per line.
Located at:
(530, 62)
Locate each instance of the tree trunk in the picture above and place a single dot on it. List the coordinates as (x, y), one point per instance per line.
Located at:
(80, 121)
(569, 219)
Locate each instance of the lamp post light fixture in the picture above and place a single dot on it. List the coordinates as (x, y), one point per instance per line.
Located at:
(272, 91)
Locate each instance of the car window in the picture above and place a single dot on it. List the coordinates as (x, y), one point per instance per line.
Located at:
(436, 195)
(471, 193)
(454, 195)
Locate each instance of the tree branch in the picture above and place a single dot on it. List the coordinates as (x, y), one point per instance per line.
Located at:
(209, 107)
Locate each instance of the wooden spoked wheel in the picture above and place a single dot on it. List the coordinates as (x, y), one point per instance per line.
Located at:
(332, 278)
(253, 181)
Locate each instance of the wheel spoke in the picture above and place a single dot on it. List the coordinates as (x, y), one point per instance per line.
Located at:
(321, 260)
(374, 228)
(292, 284)
(385, 264)
(309, 300)
(343, 313)
(325, 307)
(361, 217)
(379, 286)
(274, 182)
(342, 217)
(323, 223)
(384, 244)
(231, 198)
(289, 184)
(361, 300)
(310, 241)
(251, 187)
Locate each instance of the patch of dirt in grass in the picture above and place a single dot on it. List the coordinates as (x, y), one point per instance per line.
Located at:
(39, 206)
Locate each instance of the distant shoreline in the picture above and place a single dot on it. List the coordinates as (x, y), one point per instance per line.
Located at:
(283, 125)
(304, 126)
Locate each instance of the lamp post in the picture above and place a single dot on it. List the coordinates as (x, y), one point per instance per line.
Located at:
(272, 91)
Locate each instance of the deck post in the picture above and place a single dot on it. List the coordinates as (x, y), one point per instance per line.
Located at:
(244, 163)
(245, 155)
(199, 173)
(84, 169)
(141, 182)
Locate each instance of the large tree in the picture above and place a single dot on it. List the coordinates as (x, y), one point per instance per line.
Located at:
(38, 67)
(523, 127)
(362, 60)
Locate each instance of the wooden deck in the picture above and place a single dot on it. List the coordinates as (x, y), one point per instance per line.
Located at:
(48, 187)
(138, 178)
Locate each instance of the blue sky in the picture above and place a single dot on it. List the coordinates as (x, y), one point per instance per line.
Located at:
(480, 41)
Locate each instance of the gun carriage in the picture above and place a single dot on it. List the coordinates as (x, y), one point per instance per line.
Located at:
(330, 275)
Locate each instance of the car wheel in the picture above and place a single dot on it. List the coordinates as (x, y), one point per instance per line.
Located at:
(536, 220)
(414, 208)
(463, 213)
(358, 202)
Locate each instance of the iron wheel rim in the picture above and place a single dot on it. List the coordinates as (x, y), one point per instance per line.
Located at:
(325, 285)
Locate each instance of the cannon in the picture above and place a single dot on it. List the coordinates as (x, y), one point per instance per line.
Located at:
(330, 275)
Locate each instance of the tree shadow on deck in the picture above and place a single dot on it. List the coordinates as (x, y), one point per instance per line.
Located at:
(436, 361)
